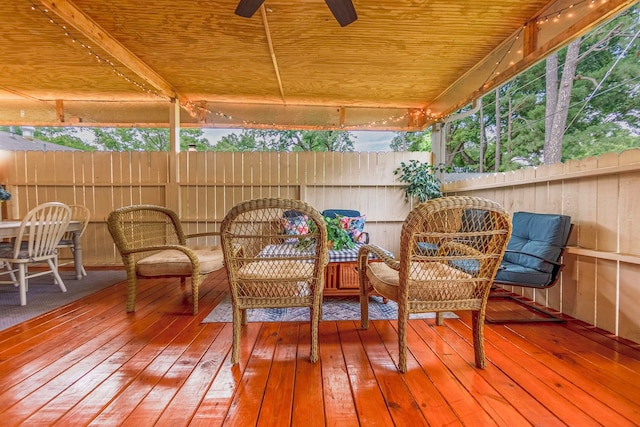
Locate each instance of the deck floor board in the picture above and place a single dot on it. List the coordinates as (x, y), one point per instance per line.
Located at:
(91, 363)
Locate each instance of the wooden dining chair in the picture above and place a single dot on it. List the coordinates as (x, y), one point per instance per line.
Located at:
(81, 214)
(36, 242)
(466, 237)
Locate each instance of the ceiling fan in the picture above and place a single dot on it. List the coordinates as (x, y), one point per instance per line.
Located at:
(342, 10)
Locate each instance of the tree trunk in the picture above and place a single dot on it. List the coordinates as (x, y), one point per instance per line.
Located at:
(551, 76)
(553, 148)
(498, 127)
(483, 140)
(509, 127)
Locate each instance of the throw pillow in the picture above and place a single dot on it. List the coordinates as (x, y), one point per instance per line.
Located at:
(354, 226)
(295, 226)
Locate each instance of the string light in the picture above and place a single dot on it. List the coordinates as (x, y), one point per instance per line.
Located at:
(95, 54)
(199, 111)
(555, 17)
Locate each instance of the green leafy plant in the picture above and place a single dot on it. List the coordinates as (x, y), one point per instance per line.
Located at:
(4, 194)
(337, 234)
(421, 179)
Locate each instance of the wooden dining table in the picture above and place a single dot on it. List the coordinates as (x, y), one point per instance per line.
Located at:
(10, 229)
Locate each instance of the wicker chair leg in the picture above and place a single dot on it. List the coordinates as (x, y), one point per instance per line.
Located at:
(235, 346)
(131, 288)
(316, 315)
(402, 343)
(364, 311)
(195, 291)
(313, 357)
(478, 338)
(439, 318)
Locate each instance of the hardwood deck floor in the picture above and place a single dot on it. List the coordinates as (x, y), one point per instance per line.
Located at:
(91, 363)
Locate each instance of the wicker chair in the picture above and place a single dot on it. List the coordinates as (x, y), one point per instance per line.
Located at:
(78, 213)
(152, 244)
(40, 231)
(270, 269)
(466, 238)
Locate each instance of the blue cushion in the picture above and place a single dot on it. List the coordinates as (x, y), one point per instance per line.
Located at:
(427, 249)
(515, 274)
(292, 214)
(543, 235)
(331, 213)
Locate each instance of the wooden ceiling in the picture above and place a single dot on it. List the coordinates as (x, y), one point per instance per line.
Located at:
(400, 66)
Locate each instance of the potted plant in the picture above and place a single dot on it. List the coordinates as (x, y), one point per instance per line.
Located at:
(4, 194)
(336, 235)
(421, 179)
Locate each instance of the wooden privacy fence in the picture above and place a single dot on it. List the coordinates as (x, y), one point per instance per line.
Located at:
(601, 283)
(202, 186)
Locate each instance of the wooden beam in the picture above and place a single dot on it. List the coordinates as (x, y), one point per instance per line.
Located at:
(73, 16)
(60, 110)
(530, 38)
(272, 52)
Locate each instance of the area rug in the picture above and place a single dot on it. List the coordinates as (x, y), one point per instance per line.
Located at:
(333, 308)
(44, 296)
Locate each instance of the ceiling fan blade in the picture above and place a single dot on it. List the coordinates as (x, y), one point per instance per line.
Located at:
(343, 11)
(246, 8)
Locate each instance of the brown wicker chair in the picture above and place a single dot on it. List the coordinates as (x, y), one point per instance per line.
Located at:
(268, 268)
(152, 244)
(450, 250)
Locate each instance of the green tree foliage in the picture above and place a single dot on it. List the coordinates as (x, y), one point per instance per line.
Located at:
(68, 137)
(146, 139)
(411, 141)
(603, 116)
(278, 140)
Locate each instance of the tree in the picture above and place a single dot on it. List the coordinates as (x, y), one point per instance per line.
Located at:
(411, 141)
(285, 140)
(588, 111)
(146, 139)
(67, 137)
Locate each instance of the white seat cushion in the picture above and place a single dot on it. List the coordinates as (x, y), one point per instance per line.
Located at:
(176, 263)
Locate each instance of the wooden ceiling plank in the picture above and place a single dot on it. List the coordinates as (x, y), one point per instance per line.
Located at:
(75, 17)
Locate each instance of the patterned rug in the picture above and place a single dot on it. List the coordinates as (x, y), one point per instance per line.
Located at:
(43, 296)
(333, 308)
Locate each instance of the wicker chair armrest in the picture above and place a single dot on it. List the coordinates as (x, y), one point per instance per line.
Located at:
(459, 248)
(363, 256)
(205, 234)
